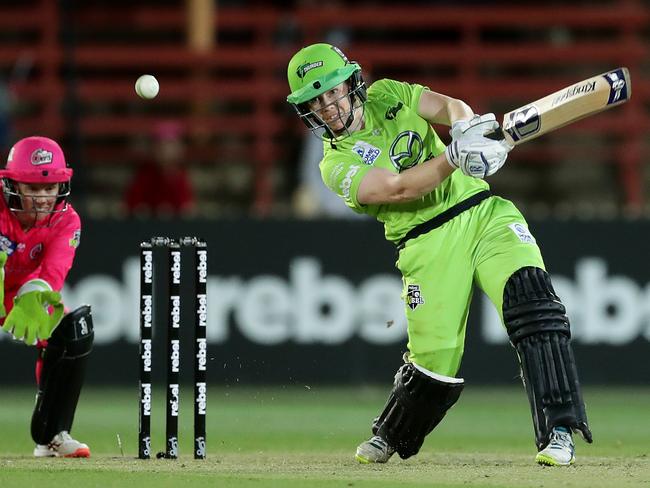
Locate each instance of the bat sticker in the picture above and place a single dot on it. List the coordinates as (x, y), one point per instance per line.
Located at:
(617, 86)
(523, 122)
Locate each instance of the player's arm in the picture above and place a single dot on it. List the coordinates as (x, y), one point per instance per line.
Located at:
(437, 108)
(472, 153)
(380, 185)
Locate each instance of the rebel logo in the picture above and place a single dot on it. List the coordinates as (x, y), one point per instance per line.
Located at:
(176, 267)
(147, 266)
(202, 267)
(146, 355)
(175, 356)
(202, 310)
(201, 398)
(175, 313)
(145, 398)
(201, 354)
(147, 303)
(173, 401)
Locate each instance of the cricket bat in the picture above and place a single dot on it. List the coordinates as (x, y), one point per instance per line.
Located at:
(565, 106)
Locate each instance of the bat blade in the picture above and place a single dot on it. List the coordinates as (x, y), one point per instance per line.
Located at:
(565, 106)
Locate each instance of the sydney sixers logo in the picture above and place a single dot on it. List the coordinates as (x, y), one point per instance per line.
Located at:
(41, 156)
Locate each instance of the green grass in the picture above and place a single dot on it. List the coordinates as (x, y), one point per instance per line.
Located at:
(306, 437)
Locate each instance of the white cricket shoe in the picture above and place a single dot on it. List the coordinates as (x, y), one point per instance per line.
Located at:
(560, 451)
(62, 445)
(374, 450)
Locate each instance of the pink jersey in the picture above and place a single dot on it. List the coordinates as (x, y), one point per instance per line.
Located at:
(41, 252)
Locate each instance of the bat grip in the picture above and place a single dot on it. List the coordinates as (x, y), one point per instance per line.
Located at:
(496, 135)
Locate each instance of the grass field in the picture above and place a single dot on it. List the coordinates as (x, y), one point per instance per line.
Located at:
(306, 437)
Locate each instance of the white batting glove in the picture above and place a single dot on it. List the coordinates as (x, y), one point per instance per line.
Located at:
(477, 125)
(477, 156)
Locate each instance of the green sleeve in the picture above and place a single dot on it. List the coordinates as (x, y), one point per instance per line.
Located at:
(344, 178)
(408, 93)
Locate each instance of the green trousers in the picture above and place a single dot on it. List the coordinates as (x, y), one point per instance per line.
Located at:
(486, 245)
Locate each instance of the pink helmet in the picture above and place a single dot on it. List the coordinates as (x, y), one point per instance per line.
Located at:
(36, 160)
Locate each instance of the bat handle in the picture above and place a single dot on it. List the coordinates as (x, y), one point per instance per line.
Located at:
(496, 135)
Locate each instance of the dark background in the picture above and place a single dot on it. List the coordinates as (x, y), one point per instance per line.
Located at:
(354, 251)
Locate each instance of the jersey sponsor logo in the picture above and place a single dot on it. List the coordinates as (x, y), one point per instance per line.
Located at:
(347, 181)
(391, 113)
(406, 150)
(7, 245)
(36, 251)
(41, 156)
(331, 180)
(414, 296)
(368, 152)
(303, 69)
(76, 239)
(522, 233)
(523, 122)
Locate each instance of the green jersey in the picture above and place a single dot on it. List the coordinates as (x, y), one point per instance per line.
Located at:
(395, 138)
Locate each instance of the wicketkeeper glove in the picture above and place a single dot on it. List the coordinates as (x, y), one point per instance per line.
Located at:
(30, 319)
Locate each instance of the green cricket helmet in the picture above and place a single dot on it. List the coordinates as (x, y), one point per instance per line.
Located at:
(316, 69)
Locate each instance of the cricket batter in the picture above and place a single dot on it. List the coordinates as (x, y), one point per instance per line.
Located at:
(39, 234)
(383, 158)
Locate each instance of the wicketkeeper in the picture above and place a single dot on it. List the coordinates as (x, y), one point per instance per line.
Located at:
(39, 234)
(383, 158)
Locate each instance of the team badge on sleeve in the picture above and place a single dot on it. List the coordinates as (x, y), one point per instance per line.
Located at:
(522, 233)
(414, 296)
(76, 238)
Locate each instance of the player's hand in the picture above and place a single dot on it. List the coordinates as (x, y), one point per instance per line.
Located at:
(477, 125)
(30, 319)
(3, 260)
(477, 156)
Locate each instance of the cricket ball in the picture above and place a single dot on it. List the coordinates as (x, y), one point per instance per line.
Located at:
(147, 87)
